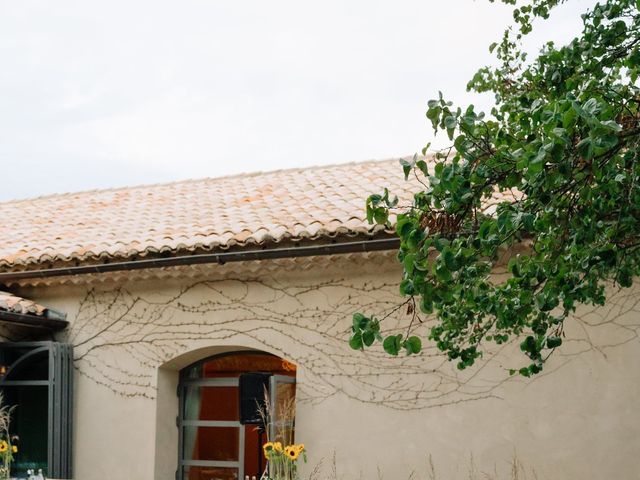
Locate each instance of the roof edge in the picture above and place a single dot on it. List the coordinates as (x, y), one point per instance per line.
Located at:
(389, 242)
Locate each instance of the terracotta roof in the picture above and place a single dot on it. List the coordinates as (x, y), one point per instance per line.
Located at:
(18, 311)
(14, 304)
(195, 215)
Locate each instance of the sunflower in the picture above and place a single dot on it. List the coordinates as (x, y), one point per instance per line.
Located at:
(292, 452)
(4, 446)
(277, 446)
(14, 449)
(300, 447)
(267, 448)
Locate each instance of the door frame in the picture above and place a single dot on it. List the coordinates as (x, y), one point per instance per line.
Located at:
(185, 381)
(207, 382)
(273, 392)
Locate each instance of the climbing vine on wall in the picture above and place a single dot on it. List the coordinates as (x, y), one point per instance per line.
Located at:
(122, 335)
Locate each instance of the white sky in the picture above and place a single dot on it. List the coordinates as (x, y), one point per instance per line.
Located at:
(98, 94)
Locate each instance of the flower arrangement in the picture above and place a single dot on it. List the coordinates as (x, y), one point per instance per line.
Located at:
(281, 453)
(7, 447)
(282, 461)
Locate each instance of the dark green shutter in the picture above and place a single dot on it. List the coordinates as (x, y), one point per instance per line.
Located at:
(59, 385)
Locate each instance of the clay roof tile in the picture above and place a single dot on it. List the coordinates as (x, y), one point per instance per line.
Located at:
(182, 217)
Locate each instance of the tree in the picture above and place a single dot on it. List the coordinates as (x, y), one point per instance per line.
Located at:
(564, 136)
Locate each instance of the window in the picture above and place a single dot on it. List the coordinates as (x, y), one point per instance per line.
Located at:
(37, 378)
(213, 443)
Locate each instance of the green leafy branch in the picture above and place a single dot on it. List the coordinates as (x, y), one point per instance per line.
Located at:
(561, 149)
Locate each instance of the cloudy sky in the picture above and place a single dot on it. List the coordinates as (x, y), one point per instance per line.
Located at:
(98, 94)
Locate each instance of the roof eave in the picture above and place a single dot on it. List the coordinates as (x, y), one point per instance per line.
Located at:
(221, 257)
(55, 321)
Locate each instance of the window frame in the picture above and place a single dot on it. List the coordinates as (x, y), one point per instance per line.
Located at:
(182, 422)
(186, 381)
(59, 385)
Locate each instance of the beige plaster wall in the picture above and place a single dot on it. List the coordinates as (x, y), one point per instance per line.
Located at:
(368, 411)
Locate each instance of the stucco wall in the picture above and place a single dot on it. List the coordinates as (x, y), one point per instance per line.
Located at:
(578, 420)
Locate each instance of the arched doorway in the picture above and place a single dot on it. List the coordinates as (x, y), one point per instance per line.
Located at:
(216, 442)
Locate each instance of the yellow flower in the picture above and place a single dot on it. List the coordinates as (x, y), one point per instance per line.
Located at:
(267, 448)
(14, 449)
(292, 452)
(4, 446)
(300, 447)
(277, 446)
